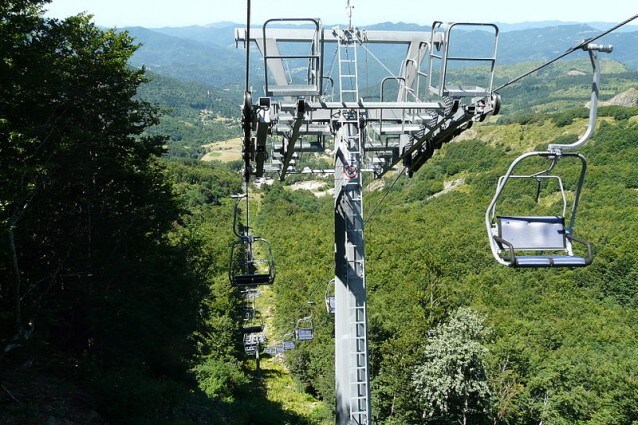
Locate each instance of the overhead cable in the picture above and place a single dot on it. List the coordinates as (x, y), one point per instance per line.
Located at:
(569, 51)
(384, 196)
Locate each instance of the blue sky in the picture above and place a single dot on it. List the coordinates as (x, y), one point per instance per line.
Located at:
(157, 13)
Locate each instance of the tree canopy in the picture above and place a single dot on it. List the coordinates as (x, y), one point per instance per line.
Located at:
(100, 282)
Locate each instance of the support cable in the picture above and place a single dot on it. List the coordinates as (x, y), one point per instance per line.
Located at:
(378, 60)
(332, 65)
(367, 73)
(247, 207)
(247, 88)
(569, 51)
(247, 114)
(248, 46)
(384, 196)
(398, 80)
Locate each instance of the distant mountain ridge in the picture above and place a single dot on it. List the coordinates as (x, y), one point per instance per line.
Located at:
(503, 26)
(207, 54)
(186, 58)
(598, 25)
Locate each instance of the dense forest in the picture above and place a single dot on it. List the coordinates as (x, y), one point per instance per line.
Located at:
(551, 346)
(193, 115)
(115, 304)
(113, 308)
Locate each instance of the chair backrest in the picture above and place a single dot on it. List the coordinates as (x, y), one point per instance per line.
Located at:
(304, 334)
(331, 304)
(533, 233)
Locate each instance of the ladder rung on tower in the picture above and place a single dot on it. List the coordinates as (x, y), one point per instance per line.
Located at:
(348, 74)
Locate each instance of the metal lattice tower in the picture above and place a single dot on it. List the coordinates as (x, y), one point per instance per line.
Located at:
(351, 343)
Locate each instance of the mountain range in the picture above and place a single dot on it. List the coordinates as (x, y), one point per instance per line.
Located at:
(208, 54)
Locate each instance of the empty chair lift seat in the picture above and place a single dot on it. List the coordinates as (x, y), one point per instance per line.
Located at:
(331, 304)
(252, 279)
(544, 233)
(270, 350)
(304, 334)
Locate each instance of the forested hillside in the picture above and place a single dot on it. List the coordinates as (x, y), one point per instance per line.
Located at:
(555, 345)
(115, 302)
(193, 114)
(186, 59)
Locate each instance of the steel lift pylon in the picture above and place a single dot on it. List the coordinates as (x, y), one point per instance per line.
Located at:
(299, 113)
(352, 378)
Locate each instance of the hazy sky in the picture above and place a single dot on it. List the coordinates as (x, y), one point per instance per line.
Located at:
(157, 13)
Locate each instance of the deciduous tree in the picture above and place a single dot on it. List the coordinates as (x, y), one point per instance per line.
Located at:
(451, 382)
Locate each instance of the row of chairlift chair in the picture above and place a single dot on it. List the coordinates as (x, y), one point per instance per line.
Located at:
(254, 331)
(251, 260)
(253, 326)
(251, 265)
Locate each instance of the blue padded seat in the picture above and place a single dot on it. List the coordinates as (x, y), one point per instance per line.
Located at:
(550, 261)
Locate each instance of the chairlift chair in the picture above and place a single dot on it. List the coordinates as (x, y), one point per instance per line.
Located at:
(251, 343)
(253, 328)
(250, 294)
(249, 314)
(253, 322)
(545, 241)
(535, 240)
(330, 298)
(251, 260)
(271, 350)
(304, 331)
(289, 342)
(276, 348)
(251, 263)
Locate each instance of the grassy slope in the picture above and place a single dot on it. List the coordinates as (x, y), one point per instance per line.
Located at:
(278, 386)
